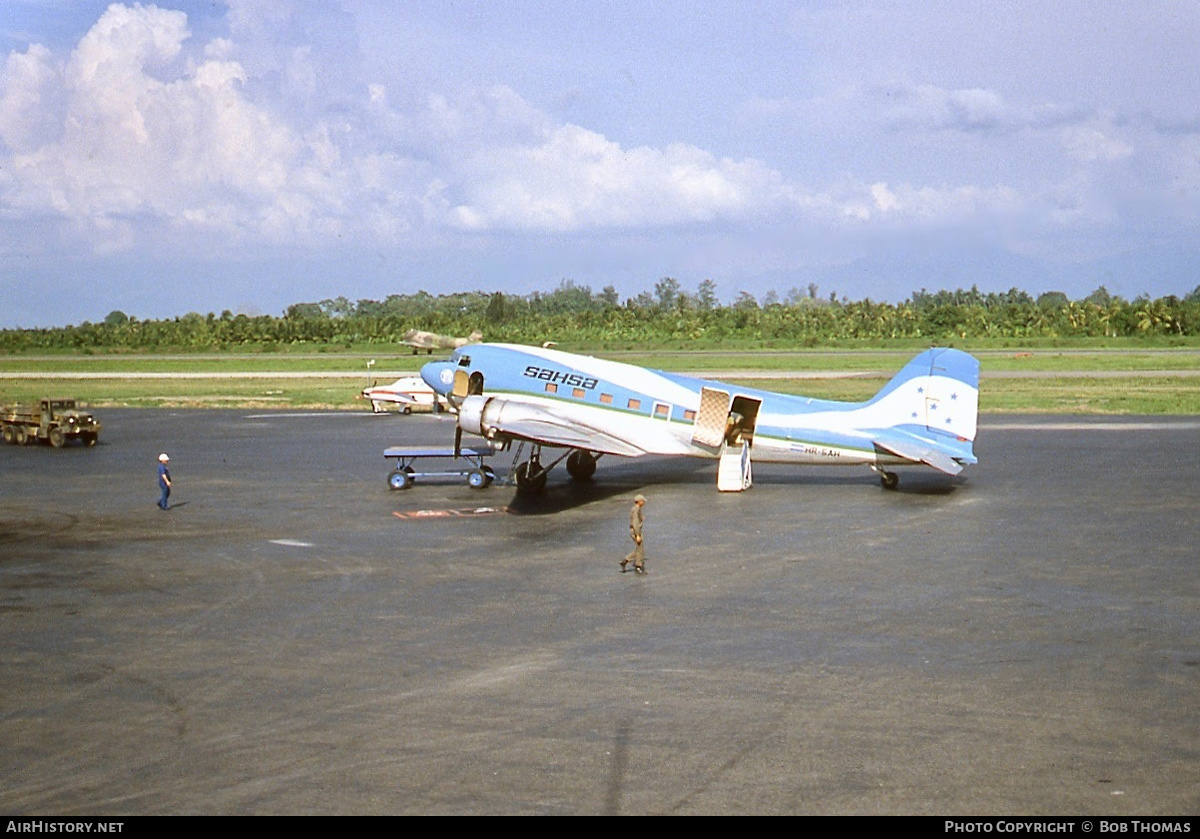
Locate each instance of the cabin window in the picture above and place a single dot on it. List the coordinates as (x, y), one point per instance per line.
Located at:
(578, 393)
(635, 404)
(661, 410)
(551, 387)
(606, 398)
(689, 415)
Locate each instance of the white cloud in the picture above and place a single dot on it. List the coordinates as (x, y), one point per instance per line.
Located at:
(578, 179)
(118, 137)
(141, 132)
(326, 126)
(31, 99)
(1094, 143)
(934, 108)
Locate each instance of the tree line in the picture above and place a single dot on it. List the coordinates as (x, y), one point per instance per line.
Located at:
(574, 314)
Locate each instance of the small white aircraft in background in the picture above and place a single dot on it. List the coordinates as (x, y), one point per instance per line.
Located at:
(410, 393)
(430, 341)
(926, 415)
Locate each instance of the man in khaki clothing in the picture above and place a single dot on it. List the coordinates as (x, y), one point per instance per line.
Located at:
(638, 555)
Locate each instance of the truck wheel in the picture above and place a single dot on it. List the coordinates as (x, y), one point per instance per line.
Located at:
(89, 439)
(57, 438)
(9, 436)
(21, 436)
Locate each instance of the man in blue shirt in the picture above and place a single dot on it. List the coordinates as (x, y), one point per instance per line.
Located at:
(164, 480)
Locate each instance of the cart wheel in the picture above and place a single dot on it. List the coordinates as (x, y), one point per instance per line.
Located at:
(399, 480)
(478, 479)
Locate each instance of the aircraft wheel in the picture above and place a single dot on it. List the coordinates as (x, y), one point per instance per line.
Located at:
(478, 479)
(57, 438)
(399, 480)
(889, 480)
(407, 410)
(581, 465)
(527, 482)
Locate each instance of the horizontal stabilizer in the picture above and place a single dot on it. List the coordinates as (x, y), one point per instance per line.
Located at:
(920, 452)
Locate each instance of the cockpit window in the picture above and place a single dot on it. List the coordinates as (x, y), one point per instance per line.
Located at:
(464, 361)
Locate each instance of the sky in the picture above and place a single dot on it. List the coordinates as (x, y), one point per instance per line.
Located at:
(204, 155)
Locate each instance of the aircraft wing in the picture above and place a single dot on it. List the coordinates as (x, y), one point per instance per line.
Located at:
(550, 431)
(399, 397)
(550, 426)
(917, 450)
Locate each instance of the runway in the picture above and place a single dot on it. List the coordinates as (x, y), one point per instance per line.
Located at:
(293, 637)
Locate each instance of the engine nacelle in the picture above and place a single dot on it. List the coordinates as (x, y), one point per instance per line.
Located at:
(474, 413)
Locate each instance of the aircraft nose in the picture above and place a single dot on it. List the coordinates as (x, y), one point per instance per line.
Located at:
(439, 375)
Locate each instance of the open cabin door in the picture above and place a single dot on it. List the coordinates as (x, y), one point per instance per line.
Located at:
(709, 429)
(461, 384)
(726, 426)
(743, 416)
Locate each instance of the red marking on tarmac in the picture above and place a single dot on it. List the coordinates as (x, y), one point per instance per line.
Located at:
(461, 512)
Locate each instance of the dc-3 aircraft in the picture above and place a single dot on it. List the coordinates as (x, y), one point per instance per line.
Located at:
(410, 393)
(592, 407)
(430, 341)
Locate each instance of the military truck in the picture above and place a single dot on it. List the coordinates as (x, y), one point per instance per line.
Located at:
(55, 420)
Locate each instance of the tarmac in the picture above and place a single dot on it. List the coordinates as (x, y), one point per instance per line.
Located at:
(292, 637)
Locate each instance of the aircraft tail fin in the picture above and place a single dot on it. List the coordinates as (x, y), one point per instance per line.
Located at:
(929, 411)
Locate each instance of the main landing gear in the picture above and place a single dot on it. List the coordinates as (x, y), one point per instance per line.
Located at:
(581, 465)
(530, 476)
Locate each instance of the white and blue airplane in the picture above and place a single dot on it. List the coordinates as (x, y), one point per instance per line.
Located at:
(926, 415)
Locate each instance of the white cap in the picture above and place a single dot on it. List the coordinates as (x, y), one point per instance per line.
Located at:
(163, 457)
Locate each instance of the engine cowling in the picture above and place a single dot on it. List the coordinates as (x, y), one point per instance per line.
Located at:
(474, 413)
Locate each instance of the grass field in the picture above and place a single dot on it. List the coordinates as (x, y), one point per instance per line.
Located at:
(1129, 379)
